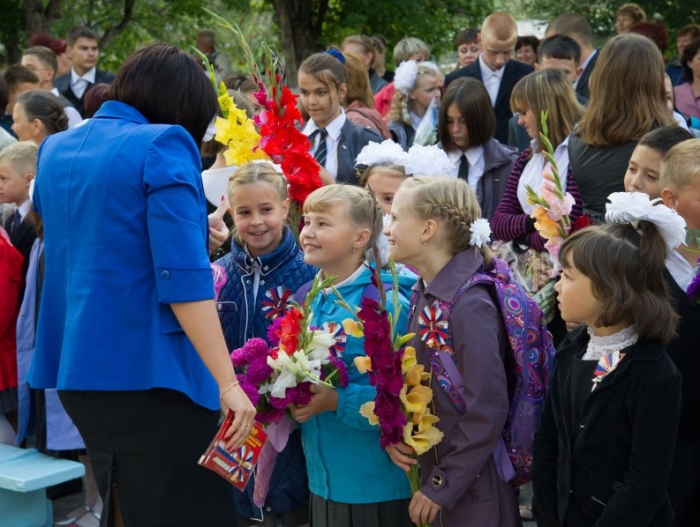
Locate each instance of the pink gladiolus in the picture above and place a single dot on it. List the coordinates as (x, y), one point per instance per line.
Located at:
(555, 212)
(553, 245)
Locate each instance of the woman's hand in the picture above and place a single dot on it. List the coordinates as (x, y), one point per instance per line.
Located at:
(422, 509)
(236, 400)
(218, 231)
(402, 455)
(324, 399)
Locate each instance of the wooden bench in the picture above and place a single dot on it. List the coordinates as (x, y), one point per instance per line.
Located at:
(24, 476)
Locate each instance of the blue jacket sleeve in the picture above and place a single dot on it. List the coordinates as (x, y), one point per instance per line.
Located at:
(176, 217)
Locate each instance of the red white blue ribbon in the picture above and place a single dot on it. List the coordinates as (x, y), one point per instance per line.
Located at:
(605, 366)
(274, 303)
(338, 333)
(432, 326)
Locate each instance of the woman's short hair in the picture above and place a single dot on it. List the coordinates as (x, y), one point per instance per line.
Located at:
(527, 40)
(633, 11)
(145, 81)
(407, 47)
(656, 32)
(626, 101)
(45, 106)
(548, 90)
(467, 36)
(474, 104)
(689, 53)
(626, 273)
(357, 82)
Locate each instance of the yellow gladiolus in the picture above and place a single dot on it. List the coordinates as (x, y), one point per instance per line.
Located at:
(415, 375)
(352, 328)
(427, 421)
(423, 440)
(408, 361)
(367, 411)
(226, 102)
(363, 363)
(417, 399)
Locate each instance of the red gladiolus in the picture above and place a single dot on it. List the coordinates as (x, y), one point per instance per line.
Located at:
(289, 330)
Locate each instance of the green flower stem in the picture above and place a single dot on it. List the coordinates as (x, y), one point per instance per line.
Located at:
(415, 482)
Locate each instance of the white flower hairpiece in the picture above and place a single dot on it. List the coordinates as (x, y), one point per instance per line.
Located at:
(382, 243)
(481, 232)
(274, 166)
(429, 161)
(405, 76)
(385, 152)
(633, 207)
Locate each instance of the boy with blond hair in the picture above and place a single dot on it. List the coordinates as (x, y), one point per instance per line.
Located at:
(17, 170)
(495, 69)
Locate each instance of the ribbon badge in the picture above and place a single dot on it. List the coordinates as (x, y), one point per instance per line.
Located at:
(338, 333)
(605, 366)
(243, 457)
(274, 303)
(432, 326)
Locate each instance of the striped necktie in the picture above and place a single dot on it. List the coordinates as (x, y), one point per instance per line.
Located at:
(322, 149)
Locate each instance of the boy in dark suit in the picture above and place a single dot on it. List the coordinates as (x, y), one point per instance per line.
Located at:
(83, 51)
(495, 69)
(17, 170)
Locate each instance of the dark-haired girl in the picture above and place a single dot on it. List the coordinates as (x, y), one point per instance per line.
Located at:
(604, 451)
(335, 140)
(466, 129)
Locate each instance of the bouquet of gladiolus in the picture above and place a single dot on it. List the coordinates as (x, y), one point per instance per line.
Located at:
(553, 204)
(280, 373)
(400, 407)
(280, 139)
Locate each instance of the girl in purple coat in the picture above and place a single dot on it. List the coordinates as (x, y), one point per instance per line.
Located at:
(436, 229)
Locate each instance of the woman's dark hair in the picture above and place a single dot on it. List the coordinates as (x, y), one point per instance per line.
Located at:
(94, 98)
(474, 105)
(467, 36)
(45, 106)
(167, 86)
(688, 54)
(625, 267)
(527, 40)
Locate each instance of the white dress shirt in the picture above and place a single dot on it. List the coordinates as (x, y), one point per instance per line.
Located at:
(491, 79)
(78, 84)
(681, 271)
(332, 139)
(475, 157)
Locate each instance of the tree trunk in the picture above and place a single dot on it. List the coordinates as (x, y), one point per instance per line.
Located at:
(300, 23)
(117, 29)
(38, 19)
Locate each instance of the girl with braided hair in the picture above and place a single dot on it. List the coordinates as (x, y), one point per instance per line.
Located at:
(436, 228)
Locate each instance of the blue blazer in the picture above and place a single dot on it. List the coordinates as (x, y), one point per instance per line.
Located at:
(125, 232)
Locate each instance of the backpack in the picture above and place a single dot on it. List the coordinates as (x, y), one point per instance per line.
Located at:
(528, 365)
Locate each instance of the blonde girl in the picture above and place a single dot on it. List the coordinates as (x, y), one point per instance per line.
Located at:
(265, 266)
(384, 179)
(417, 85)
(434, 229)
(604, 451)
(352, 480)
(335, 140)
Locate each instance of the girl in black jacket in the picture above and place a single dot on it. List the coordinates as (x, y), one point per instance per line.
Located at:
(604, 452)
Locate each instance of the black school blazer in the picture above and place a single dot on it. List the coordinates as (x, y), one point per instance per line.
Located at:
(615, 461)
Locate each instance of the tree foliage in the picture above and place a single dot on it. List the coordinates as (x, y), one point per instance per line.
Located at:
(601, 14)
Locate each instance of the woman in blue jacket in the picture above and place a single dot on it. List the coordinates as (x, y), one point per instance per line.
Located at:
(128, 330)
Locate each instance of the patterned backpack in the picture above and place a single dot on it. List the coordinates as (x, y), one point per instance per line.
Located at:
(528, 365)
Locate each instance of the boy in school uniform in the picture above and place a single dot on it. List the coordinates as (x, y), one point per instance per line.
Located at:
(17, 170)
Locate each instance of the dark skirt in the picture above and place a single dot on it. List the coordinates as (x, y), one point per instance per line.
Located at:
(327, 513)
(8, 400)
(145, 445)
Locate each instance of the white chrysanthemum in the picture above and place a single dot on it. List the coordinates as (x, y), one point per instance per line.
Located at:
(481, 232)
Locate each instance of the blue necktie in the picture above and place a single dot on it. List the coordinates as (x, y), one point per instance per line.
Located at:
(322, 149)
(16, 222)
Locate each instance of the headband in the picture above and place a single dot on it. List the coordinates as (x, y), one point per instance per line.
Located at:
(336, 53)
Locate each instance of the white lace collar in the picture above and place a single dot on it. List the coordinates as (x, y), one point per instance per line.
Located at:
(599, 347)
